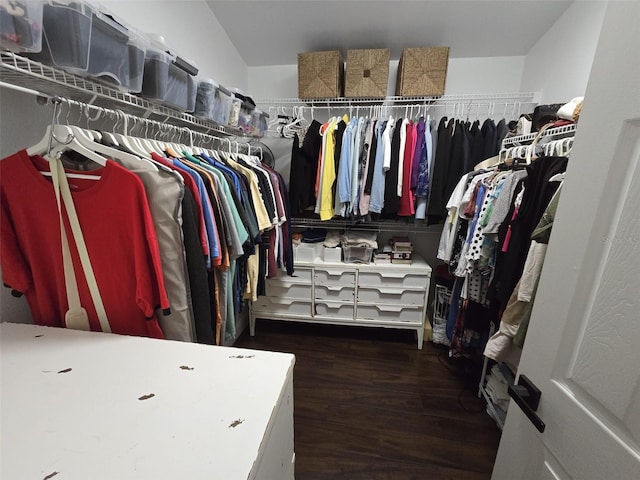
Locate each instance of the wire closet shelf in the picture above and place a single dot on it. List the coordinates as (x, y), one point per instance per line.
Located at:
(565, 130)
(505, 104)
(29, 75)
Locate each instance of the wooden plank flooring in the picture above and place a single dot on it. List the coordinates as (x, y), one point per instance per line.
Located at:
(370, 405)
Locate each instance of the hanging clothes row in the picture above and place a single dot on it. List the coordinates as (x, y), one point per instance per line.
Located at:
(179, 236)
(487, 241)
(387, 168)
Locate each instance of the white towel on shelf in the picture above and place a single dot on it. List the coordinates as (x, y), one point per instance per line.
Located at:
(360, 239)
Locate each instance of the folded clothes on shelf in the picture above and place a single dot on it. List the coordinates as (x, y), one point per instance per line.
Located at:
(332, 239)
(360, 239)
(314, 235)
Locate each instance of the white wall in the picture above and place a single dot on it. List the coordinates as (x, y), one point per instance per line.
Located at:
(191, 28)
(560, 62)
(465, 75)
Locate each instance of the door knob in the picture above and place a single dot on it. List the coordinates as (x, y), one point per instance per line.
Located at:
(527, 396)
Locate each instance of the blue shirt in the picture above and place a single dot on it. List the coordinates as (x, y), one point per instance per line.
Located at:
(343, 192)
(377, 187)
(358, 144)
(207, 210)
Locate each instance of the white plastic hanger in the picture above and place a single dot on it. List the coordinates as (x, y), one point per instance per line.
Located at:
(83, 136)
(64, 140)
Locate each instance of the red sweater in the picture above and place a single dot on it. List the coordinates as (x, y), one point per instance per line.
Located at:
(408, 196)
(119, 234)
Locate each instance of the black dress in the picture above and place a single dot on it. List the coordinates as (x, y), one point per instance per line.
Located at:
(304, 166)
(437, 203)
(391, 199)
(537, 195)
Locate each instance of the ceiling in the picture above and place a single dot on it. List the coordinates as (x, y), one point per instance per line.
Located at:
(269, 32)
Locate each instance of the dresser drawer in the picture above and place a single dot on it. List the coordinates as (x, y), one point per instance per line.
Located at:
(334, 310)
(335, 277)
(335, 292)
(390, 295)
(398, 279)
(299, 291)
(281, 306)
(301, 275)
(390, 313)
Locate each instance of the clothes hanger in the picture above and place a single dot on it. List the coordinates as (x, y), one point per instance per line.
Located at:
(558, 177)
(126, 141)
(56, 132)
(91, 134)
(47, 148)
(87, 141)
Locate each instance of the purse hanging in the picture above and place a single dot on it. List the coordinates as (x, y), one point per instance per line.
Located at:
(76, 317)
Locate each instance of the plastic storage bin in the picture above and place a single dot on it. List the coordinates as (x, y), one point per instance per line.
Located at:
(244, 119)
(181, 89)
(67, 26)
(169, 78)
(256, 116)
(332, 255)
(234, 113)
(156, 74)
(86, 40)
(21, 25)
(205, 98)
(213, 101)
(355, 254)
(137, 48)
(108, 49)
(222, 105)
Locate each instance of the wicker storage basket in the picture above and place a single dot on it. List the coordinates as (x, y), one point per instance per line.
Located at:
(320, 75)
(367, 73)
(422, 71)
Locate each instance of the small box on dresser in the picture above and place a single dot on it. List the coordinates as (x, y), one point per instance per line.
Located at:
(304, 252)
(320, 75)
(332, 254)
(367, 73)
(422, 71)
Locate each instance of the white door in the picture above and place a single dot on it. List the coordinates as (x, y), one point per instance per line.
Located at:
(583, 346)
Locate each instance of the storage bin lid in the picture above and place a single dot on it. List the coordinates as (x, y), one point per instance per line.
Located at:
(82, 6)
(208, 81)
(225, 90)
(138, 39)
(155, 54)
(158, 43)
(117, 26)
(245, 98)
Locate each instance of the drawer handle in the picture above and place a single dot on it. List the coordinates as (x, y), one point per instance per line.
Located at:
(389, 308)
(332, 288)
(387, 290)
(385, 274)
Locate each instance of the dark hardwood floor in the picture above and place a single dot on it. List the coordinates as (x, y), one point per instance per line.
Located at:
(370, 405)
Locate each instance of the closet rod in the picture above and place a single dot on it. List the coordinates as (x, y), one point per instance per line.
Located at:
(18, 88)
(127, 117)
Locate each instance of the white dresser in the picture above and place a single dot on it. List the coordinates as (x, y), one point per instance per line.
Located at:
(372, 295)
(85, 405)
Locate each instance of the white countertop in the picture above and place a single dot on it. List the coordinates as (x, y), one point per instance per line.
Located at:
(74, 403)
